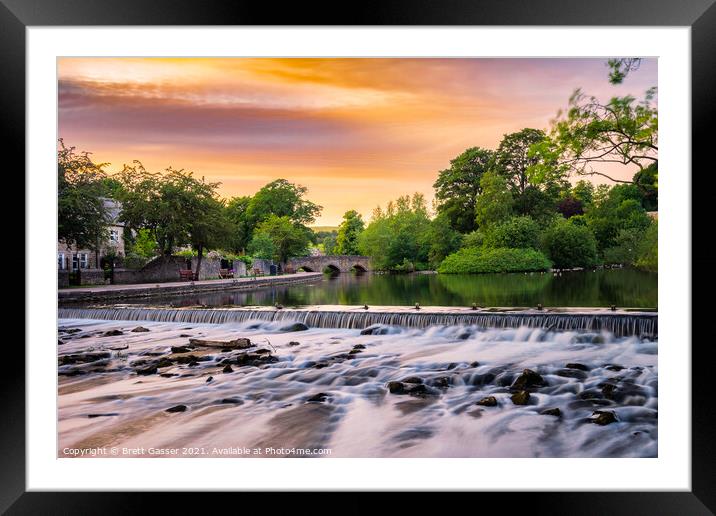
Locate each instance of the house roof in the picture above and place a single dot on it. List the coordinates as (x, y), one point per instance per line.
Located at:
(113, 208)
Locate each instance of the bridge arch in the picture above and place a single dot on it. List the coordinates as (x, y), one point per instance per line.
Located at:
(341, 263)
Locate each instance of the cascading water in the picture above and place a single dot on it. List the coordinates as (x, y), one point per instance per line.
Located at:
(435, 389)
(642, 324)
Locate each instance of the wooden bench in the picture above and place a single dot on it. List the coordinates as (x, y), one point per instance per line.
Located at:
(257, 271)
(186, 275)
(225, 273)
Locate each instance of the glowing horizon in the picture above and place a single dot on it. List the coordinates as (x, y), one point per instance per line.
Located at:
(356, 132)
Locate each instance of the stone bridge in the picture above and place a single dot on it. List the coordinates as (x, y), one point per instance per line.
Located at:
(341, 263)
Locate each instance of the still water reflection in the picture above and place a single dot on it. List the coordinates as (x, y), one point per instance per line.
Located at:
(621, 287)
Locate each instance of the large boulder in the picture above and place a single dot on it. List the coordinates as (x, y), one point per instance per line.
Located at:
(529, 379)
(239, 343)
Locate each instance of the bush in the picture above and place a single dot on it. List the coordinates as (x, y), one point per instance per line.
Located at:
(134, 261)
(648, 258)
(517, 232)
(473, 239)
(477, 261)
(570, 245)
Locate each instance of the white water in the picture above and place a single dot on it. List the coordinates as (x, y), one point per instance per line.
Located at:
(360, 418)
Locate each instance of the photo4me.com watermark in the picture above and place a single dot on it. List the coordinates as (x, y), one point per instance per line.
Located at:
(232, 451)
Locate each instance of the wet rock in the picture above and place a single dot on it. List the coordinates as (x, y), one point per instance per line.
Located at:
(184, 335)
(59, 342)
(603, 417)
(70, 330)
(181, 349)
(140, 329)
(83, 358)
(475, 364)
(359, 346)
(227, 369)
(521, 398)
(146, 370)
(263, 351)
(608, 390)
(168, 375)
(177, 408)
(233, 401)
(571, 373)
(613, 367)
(320, 365)
(552, 412)
(317, 398)
(108, 414)
(442, 382)
(482, 379)
(375, 329)
(355, 351)
(575, 365)
(412, 379)
(164, 362)
(71, 372)
(294, 343)
(528, 379)
(295, 327)
(240, 343)
(487, 401)
(210, 379)
(396, 387)
(112, 333)
(254, 359)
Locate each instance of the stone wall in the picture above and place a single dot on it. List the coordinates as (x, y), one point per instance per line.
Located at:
(63, 278)
(263, 265)
(158, 270)
(209, 267)
(239, 269)
(92, 277)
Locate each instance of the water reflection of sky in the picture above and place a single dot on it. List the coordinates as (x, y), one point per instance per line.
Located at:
(621, 287)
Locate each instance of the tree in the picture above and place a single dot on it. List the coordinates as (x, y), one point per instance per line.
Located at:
(647, 181)
(281, 198)
(570, 206)
(514, 161)
(81, 215)
(236, 212)
(175, 206)
(394, 238)
(495, 203)
(516, 232)
(570, 245)
(287, 238)
(348, 231)
(458, 187)
(620, 68)
(440, 239)
(592, 133)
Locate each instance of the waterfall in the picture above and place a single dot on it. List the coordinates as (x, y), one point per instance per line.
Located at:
(642, 324)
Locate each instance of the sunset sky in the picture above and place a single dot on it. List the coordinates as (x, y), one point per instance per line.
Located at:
(356, 132)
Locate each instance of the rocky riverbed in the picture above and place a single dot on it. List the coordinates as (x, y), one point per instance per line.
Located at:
(287, 390)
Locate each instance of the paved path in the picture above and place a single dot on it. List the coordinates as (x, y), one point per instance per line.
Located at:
(100, 292)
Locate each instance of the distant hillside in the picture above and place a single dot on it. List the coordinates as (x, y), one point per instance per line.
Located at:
(316, 229)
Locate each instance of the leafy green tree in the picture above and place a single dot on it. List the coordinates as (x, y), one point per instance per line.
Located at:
(648, 255)
(570, 245)
(647, 180)
(514, 161)
(393, 238)
(592, 133)
(262, 246)
(177, 208)
(583, 191)
(81, 215)
(348, 231)
(287, 237)
(458, 187)
(144, 244)
(440, 239)
(283, 199)
(236, 212)
(620, 68)
(516, 232)
(495, 203)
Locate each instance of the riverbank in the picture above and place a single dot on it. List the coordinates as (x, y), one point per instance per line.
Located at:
(115, 292)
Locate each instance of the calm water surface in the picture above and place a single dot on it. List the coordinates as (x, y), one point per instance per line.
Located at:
(621, 287)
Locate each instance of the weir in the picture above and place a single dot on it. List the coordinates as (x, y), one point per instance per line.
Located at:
(641, 324)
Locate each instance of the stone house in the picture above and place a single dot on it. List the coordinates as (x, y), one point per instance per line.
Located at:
(86, 263)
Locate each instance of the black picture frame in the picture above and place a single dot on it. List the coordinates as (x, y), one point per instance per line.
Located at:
(700, 15)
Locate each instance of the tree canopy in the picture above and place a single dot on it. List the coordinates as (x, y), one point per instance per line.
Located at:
(348, 232)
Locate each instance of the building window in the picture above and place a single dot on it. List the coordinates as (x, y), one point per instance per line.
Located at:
(80, 261)
(61, 263)
(113, 235)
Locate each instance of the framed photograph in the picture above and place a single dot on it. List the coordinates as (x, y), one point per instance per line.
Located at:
(418, 249)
